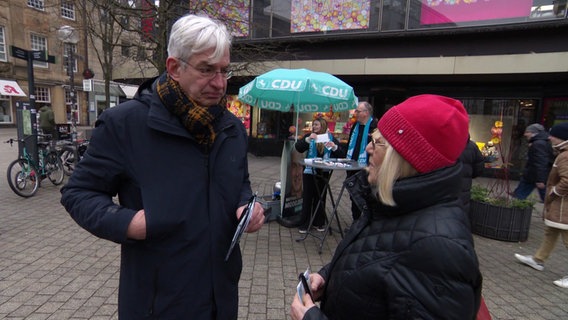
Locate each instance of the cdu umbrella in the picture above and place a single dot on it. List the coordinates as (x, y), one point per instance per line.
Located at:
(299, 90)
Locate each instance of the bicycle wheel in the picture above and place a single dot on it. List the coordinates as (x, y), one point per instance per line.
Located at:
(68, 159)
(54, 168)
(23, 178)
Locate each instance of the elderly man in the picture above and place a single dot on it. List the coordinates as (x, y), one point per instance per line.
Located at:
(177, 159)
(539, 161)
(358, 140)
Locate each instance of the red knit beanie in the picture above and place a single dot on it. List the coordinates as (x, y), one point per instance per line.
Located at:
(428, 131)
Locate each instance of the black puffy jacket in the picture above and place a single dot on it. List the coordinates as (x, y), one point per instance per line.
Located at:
(412, 261)
(473, 165)
(539, 159)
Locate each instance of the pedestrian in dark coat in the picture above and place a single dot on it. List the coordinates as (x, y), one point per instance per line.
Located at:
(473, 164)
(539, 162)
(411, 254)
(177, 160)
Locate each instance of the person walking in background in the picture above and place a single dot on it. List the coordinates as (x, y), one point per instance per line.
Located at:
(555, 209)
(411, 254)
(47, 121)
(314, 180)
(358, 139)
(539, 160)
(473, 164)
(175, 225)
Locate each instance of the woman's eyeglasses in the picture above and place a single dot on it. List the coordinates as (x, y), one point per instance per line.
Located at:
(375, 142)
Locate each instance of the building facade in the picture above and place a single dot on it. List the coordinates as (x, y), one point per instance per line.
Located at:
(507, 63)
(31, 28)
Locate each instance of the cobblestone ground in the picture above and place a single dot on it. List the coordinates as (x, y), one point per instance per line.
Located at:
(52, 269)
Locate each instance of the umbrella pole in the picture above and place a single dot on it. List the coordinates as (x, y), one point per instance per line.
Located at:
(297, 121)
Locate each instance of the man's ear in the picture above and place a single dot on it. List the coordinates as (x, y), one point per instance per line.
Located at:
(173, 67)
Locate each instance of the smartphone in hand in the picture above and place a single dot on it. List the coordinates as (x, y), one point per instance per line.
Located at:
(304, 285)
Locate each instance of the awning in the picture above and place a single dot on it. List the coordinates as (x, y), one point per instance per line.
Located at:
(114, 89)
(11, 88)
(129, 90)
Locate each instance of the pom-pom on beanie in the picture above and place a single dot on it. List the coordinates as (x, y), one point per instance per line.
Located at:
(428, 131)
(560, 131)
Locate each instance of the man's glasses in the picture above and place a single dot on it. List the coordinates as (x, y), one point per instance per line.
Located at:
(209, 72)
(375, 142)
(359, 111)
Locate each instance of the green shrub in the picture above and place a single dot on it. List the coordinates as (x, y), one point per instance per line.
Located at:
(483, 194)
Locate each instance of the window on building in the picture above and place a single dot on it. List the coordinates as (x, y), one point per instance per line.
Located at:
(73, 48)
(68, 10)
(125, 49)
(39, 43)
(125, 21)
(3, 56)
(42, 94)
(141, 54)
(497, 125)
(5, 109)
(36, 4)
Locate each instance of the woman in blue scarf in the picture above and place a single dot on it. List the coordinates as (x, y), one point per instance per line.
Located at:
(314, 180)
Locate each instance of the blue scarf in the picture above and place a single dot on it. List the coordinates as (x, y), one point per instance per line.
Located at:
(313, 153)
(362, 160)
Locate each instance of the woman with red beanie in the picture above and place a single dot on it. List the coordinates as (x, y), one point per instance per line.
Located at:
(411, 254)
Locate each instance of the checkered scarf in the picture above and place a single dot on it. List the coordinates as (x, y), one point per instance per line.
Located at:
(198, 120)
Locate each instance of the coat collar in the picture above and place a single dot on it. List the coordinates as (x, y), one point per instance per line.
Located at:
(410, 194)
(159, 118)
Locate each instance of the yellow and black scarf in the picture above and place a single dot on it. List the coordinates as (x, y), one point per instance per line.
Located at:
(198, 120)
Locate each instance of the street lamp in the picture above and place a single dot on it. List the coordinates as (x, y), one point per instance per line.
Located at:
(69, 35)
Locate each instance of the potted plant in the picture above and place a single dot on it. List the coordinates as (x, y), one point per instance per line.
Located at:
(493, 212)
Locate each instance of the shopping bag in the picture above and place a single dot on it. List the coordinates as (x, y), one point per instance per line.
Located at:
(483, 313)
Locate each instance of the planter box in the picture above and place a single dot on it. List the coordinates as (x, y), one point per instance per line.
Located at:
(500, 223)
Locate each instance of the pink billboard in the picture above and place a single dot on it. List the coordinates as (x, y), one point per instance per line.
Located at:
(451, 11)
(327, 15)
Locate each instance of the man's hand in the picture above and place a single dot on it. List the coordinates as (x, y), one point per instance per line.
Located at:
(257, 218)
(137, 227)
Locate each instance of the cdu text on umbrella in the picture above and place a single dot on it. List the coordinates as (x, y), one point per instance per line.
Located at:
(335, 92)
(287, 85)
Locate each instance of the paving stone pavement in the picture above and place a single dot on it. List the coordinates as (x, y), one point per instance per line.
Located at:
(52, 269)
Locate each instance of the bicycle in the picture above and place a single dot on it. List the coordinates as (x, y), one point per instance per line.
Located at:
(24, 174)
(67, 154)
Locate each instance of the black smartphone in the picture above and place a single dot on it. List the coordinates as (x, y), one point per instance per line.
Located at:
(306, 285)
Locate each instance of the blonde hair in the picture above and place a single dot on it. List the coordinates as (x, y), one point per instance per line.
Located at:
(393, 168)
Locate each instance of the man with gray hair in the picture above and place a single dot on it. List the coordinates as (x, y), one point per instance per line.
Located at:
(539, 161)
(358, 140)
(177, 160)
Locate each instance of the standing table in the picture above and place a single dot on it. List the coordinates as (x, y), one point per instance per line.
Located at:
(331, 165)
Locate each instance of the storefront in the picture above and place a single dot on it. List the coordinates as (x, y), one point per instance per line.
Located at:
(268, 129)
(8, 90)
